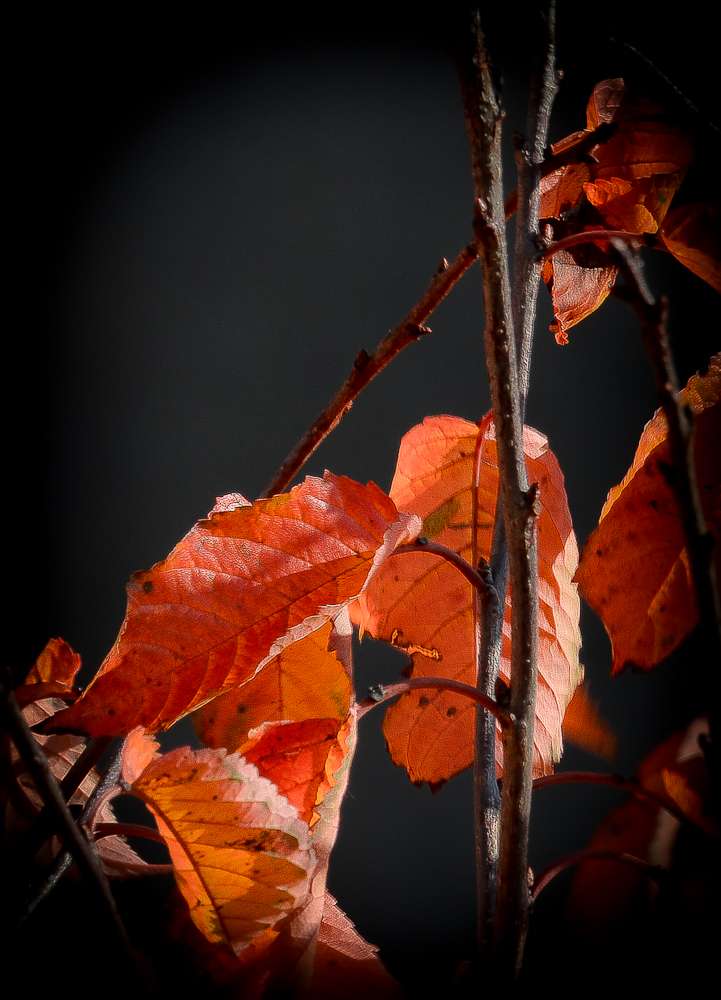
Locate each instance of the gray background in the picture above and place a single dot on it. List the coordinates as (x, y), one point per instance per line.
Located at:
(215, 218)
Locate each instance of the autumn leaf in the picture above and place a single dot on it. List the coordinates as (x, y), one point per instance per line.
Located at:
(306, 680)
(345, 964)
(634, 570)
(421, 603)
(238, 589)
(692, 233)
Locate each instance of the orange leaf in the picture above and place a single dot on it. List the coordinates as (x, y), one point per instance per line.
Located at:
(693, 235)
(306, 680)
(240, 587)
(634, 569)
(602, 891)
(421, 602)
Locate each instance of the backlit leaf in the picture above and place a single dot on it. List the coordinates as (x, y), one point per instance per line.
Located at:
(241, 854)
(634, 570)
(240, 587)
(420, 602)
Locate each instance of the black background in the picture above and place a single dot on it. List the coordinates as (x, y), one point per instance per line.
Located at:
(215, 214)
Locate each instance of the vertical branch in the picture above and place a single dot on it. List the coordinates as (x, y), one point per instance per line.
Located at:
(483, 120)
(529, 157)
(487, 637)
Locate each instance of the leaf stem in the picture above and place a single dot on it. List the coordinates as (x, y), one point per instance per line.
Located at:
(594, 235)
(632, 785)
(384, 692)
(480, 583)
(366, 367)
(654, 872)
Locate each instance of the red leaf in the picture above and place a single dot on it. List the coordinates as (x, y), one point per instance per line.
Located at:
(239, 588)
(420, 602)
(634, 569)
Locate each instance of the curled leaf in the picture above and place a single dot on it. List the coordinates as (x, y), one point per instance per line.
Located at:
(634, 569)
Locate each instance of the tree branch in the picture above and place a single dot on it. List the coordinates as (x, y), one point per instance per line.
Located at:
(366, 367)
(483, 121)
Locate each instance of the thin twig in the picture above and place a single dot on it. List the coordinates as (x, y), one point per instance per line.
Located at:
(82, 851)
(384, 692)
(578, 153)
(39, 830)
(366, 367)
(654, 872)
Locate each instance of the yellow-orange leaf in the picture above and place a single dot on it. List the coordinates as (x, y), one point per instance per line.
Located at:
(241, 854)
(420, 602)
(239, 588)
(634, 570)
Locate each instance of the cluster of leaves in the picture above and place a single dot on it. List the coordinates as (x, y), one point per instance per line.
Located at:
(247, 624)
(618, 176)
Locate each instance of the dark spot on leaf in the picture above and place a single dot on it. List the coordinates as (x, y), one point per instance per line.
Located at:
(599, 553)
(240, 709)
(423, 701)
(451, 711)
(111, 711)
(654, 504)
(147, 587)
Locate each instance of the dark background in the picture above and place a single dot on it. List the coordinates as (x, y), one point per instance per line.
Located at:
(215, 215)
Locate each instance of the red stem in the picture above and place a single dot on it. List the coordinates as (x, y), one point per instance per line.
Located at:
(384, 692)
(591, 854)
(434, 549)
(127, 830)
(632, 785)
(593, 235)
